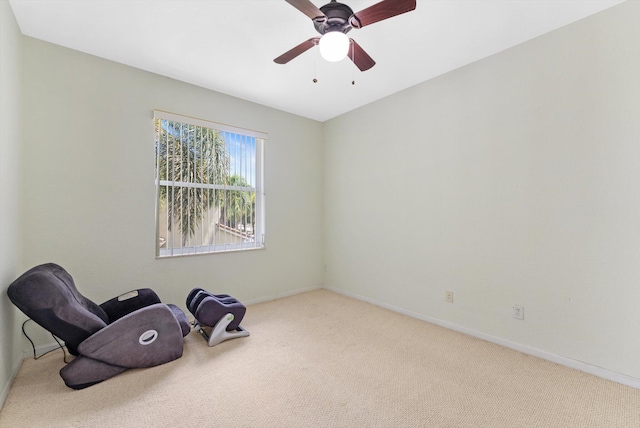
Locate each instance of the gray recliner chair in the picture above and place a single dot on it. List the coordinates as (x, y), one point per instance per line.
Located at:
(133, 330)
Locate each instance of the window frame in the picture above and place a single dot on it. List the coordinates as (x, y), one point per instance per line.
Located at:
(259, 229)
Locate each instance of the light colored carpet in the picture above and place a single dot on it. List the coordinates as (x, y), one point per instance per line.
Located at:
(320, 359)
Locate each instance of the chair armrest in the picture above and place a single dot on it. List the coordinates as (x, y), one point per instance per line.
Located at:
(145, 338)
(129, 302)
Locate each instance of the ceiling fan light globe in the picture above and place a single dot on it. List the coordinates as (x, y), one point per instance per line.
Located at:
(334, 46)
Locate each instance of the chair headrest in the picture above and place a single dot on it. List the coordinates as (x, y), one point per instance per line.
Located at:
(48, 295)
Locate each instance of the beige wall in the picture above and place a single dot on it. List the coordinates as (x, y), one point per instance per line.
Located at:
(514, 180)
(10, 224)
(89, 179)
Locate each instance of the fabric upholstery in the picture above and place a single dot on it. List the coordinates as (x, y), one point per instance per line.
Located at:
(83, 372)
(126, 303)
(134, 331)
(209, 308)
(181, 317)
(120, 343)
(48, 295)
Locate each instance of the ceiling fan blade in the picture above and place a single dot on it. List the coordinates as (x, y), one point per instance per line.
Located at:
(306, 7)
(360, 58)
(379, 11)
(302, 47)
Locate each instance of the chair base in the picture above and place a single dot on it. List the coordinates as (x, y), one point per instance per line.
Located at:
(218, 333)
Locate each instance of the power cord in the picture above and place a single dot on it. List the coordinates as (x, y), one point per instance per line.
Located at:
(33, 347)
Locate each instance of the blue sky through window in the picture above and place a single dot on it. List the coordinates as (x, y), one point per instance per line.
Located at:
(242, 156)
(241, 150)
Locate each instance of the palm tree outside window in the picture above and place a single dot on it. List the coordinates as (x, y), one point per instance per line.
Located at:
(208, 186)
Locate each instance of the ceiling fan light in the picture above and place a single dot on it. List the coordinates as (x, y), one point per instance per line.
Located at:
(334, 46)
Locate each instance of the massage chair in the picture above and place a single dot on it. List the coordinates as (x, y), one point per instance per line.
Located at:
(133, 330)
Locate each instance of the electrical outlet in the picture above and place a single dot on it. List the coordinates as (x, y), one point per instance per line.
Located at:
(448, 296)
(518, 312)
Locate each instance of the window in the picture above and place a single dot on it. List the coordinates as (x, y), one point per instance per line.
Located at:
(209, 187)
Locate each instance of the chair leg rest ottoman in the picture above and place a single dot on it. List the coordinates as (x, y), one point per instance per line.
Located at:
(217, 316)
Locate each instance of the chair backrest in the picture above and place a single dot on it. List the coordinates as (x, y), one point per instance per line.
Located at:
(47, 295)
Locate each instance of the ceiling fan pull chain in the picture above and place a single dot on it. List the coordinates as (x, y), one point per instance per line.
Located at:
(315, 77)
(353, 70)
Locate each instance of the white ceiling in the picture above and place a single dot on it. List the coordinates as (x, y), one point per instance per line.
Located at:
(229, 45)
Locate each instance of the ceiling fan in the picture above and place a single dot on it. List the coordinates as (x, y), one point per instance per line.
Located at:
(334, 20)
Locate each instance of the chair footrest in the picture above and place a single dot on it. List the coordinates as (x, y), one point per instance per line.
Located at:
(219, 333)
(217, 316)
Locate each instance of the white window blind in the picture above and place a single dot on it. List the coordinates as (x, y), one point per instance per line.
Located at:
(209, 186)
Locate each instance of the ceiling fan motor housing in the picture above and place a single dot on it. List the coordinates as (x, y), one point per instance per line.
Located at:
(336, 18)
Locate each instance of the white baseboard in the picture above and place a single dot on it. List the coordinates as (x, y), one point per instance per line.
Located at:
(7, 385)
(26, 353)
(280, 295)
(267, 298)
(40, 350)
(558, 359)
